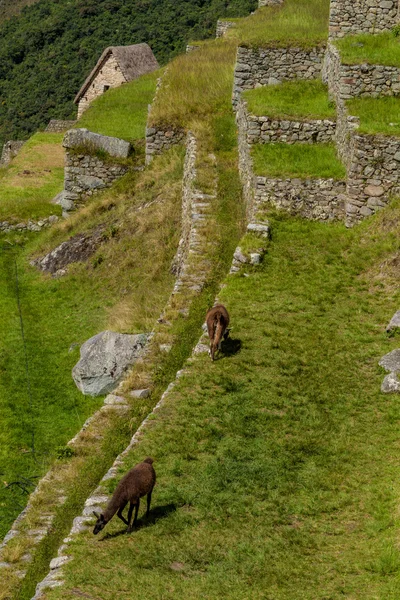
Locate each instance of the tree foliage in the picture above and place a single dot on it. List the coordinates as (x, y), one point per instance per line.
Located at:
(47, 51)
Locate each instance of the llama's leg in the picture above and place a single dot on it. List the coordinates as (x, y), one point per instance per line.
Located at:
(148, 503)
(119, 513)
(130, 511)
(136, 511)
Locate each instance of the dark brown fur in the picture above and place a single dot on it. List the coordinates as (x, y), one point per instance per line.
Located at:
(217, 320)
(138, 482)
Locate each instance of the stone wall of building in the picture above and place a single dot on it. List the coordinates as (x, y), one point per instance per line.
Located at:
(264, 66)
(159, 140)
(362, 16)
(10, 150)
(109, 76)
(223, 27)
(315, 199)
(58, 126)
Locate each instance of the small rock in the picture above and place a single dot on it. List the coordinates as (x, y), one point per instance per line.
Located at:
(201, 349)
(255, 258)
(239, 256)
(140, 393)
(58, 562)
(374, 190)
(112, 400)
(391, 384)
(165, 347)
(394, 323)
(177, 566)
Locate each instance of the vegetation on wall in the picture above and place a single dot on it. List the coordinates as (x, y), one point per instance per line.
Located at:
(46, 53)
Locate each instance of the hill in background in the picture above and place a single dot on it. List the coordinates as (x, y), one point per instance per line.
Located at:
(9, 8)
(46, 52)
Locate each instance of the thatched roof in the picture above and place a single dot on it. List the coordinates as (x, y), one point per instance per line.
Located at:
(133, 61)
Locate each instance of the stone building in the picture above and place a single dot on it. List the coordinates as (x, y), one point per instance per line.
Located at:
(117, 65)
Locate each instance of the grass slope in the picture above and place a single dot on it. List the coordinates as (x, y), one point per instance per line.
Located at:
(277, 464)
(291, 100)
(297, 160)
(34, 177)
(380, 49)
(377, 115)
(122, 112)
(121, 288)
(297, 23)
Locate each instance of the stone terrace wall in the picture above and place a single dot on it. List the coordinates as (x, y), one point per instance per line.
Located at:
(223, 27)
(262, 130)
(351, 81)
(314, 199)
(84, 175)
(57, 126)
(245, 161)
(159, 140)
(263, 66)
(362, 16)
(373, 175)
(262, 3)
(10, 150)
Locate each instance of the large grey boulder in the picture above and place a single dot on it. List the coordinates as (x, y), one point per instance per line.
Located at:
(394, 323)
(74, 138)
(104, 360)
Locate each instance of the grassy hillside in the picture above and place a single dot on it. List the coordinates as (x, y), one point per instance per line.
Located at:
(47, 52)
(58, 315)
(32, 180)
(277, 464)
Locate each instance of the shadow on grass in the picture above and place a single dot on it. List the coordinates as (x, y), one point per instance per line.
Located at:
(157, 513)
(230, 347)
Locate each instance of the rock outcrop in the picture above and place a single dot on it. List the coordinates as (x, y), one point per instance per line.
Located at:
(104, 360)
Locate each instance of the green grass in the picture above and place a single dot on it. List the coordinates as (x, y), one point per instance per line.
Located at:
(296, 23)
(196, 86)
(377, 115)
(291, 100)
(277, 464)
(381, 49)
(33, 178)
(297, 160)
(122, 112)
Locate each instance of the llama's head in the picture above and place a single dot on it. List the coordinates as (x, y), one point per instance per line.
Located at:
(100, 523)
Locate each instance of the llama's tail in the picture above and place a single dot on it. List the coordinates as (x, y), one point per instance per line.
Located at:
(219, 329)
(149, 460)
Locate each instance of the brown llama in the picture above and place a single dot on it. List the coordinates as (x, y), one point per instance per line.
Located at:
(138, 482)
(217, 320)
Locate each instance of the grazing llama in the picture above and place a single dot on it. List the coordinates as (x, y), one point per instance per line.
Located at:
(217, 320)
(138, 482)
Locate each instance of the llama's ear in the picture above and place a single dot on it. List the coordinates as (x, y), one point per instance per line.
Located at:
(96, 514)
